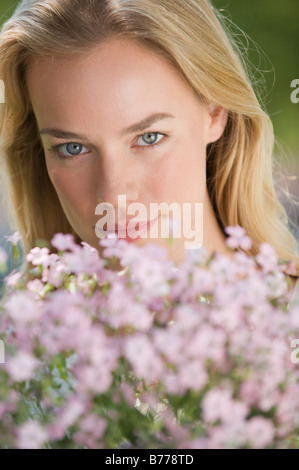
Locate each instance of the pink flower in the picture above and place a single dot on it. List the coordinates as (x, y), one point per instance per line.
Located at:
(115, 247)
(39, 256)
(72, 410)
(65, 331)
(35, 286)
(229, 316)
(224, 270)
(91, 430)
(170, 343)
(199, 443)
(93, 380)
(14, 238)
(203, 281)
(9, 405)
(55, 275)
(31, 435)
(237, 238)
(63, 242)
(192, 376)
(181, 283)
(145, 361)
(22, 366)
(249, 391)
(83, 259)
(252, 291)
(288, 408)
(22, 307)
(149, 276)
(267, 257)
(101, 349)
(121, 310)
(219, 404)
(245, 265)
(227, 436)
(12, 279)
(155, 252)
(207, 342)
(128, 253)
(188, 317)
(260, 432)
(277, 283)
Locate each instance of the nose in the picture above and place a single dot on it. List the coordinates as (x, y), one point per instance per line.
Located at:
(116, 176)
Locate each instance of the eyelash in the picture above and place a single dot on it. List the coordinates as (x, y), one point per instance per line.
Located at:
(55, 148)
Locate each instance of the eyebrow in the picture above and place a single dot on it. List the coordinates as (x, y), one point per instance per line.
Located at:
(138, 127)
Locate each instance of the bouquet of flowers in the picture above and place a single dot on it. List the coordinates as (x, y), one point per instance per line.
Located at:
(152, 355)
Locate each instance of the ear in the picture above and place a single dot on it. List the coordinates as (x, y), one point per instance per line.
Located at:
(218, 119)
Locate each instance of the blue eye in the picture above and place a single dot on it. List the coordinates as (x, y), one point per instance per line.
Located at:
(71, 149)
(74, 149)
(150, 139)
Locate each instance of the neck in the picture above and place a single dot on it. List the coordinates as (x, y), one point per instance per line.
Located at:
(213, 237)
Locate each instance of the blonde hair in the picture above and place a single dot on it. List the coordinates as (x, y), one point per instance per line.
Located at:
(191, 35)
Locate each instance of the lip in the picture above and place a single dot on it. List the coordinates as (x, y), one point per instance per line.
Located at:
(142, 228)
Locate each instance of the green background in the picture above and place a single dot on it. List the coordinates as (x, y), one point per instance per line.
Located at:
(273, 29)
(273, 26)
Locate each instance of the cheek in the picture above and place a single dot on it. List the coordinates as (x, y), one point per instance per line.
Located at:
(72, 189)
(181, 175)
(64, 185)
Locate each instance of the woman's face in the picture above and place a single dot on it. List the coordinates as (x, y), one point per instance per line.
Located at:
(92, 110)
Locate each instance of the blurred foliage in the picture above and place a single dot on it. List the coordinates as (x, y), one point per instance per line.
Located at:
(273, 29)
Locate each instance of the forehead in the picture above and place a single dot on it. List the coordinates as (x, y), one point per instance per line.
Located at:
(112, 79)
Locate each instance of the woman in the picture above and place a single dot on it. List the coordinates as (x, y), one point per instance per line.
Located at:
(136, 98)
